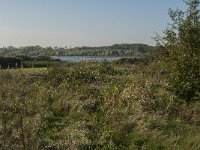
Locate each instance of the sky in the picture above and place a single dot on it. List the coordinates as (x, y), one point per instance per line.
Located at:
(82, 22)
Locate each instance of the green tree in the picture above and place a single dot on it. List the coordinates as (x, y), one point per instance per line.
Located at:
(180, 51)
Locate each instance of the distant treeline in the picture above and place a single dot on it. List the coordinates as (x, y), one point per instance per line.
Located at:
(135, 50)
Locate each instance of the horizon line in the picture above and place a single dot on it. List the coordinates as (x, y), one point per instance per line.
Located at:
(76, 46)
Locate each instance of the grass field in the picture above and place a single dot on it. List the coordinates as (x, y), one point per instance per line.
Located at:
(26, 71)
(94, 106)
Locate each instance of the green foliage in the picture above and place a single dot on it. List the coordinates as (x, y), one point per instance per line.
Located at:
(181, 51)
(35, 64)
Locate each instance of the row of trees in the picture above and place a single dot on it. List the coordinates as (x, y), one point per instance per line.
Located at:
(117, 50)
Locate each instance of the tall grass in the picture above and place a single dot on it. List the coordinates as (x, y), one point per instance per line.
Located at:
(92, 105)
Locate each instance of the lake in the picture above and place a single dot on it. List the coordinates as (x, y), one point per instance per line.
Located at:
(86, 58)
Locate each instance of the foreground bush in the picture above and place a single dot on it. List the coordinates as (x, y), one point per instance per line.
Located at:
(181, 51)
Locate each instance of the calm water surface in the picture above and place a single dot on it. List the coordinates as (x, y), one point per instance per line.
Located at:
(86, 58)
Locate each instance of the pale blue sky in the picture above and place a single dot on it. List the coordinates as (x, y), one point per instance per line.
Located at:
(82, 22)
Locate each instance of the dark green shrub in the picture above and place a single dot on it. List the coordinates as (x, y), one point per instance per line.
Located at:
(10, 62)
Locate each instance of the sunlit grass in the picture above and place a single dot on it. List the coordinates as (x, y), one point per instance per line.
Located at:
(95, 106)
(25, 71)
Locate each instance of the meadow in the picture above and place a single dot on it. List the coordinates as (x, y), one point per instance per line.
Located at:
(94, 105)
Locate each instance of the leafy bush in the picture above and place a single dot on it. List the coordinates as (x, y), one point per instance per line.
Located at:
(181, 51)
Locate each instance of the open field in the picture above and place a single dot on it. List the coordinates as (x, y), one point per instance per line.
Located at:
(94, 106)
(25, 71)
